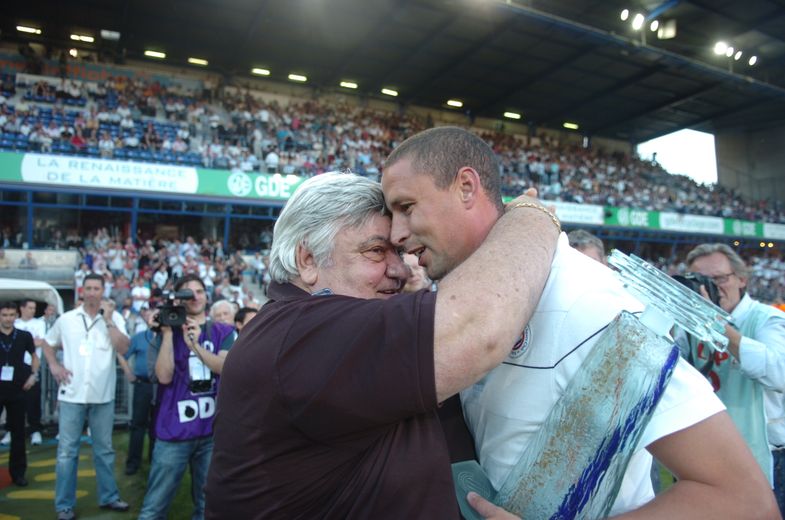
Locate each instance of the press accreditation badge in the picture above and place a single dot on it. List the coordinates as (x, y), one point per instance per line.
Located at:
(198, 370)
(28, 359)
(7, 373)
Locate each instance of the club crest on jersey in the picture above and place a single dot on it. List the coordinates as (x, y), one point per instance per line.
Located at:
(522, 345)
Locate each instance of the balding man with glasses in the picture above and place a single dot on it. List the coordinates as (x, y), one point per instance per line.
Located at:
(750, 377)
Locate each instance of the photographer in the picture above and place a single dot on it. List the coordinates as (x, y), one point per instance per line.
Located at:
(750, 377)
(188, 358)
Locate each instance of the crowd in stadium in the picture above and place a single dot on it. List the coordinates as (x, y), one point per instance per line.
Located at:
(143, 121)
(131, 119)
(136, 275)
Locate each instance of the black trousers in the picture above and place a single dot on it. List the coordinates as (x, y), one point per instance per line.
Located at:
(14, 405)
(33, 405)
(141, 413)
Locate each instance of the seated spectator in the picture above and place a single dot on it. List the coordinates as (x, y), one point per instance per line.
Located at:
(131, 140)
(106, 146)
(40, 137)
(179, 146)
(78, 141)
(3, 260)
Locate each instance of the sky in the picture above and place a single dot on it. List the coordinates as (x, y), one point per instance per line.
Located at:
(686, 152)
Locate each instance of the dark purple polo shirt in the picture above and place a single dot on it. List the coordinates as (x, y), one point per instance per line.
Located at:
(326, 409)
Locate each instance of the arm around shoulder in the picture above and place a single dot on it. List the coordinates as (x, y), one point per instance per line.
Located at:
(483, 304)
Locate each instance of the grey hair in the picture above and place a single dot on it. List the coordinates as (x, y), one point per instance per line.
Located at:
(580, 238)
(320, 208)
(221, 303)
(740, 269)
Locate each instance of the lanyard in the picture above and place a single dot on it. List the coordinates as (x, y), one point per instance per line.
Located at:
(86, 328)
(7, 348)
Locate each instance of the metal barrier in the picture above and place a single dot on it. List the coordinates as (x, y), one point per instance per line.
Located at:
(122, 399)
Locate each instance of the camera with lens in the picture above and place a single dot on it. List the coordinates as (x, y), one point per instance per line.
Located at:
(169, 314)
(694, 281)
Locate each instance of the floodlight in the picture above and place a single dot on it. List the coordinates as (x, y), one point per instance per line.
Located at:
(729, 51)
(753, 60)
(29, 30)
(737, 56)
(720, 48)
(654, 26)
(348, 84)
(82, 38)
(155, 54)
(455, 103)
(637, 22)
(260, 72)
(197, 61)
(570, 126)
(625, 14)
(389, 92)
(298, 77)
(512, 115)
(74, 53)
(106, 34)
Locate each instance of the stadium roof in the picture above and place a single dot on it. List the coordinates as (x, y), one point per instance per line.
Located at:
(551, 61)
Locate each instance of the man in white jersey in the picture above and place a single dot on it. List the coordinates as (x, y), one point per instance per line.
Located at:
(35, 326)
(442, 186)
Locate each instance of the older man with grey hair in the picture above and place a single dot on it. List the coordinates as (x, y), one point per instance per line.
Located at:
(588, 244)
(329, 400)
(750, 377)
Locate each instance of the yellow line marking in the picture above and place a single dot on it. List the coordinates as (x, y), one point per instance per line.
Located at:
(50, 477)
(9, 517)
(49, 462)
(39, 494)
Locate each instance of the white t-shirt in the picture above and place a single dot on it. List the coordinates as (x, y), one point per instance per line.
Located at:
(507, 407)
(36, 327)
(88, 354)
(139, 295)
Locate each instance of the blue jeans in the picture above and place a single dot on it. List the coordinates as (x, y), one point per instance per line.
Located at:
(779, 478)
(169, 461)
(100, 418)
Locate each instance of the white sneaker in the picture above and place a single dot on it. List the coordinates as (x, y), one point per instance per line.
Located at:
(35, 439)
(6, 439)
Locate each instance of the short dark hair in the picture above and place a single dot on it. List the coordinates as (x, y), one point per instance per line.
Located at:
(239, 317)
(25, 301)
(9, 305)
(186, 279)
(94, 276)
(442, 151)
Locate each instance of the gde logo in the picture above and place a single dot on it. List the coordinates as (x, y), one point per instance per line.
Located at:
(190, 409)
(239, 184)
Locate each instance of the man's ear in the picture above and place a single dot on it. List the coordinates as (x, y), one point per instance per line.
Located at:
(306, 265)
(467, 184)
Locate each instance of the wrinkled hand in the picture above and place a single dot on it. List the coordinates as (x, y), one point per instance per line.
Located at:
(61, 374)
(488, 510)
